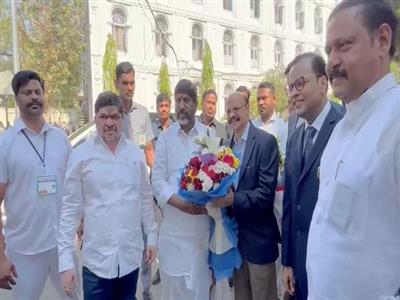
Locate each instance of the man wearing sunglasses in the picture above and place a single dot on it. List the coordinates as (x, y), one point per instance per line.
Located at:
(307, 89)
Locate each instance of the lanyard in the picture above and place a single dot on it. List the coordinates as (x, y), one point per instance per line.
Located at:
(42, 158)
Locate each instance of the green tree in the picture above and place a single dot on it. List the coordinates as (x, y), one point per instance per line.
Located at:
(109, 64)
(51, 42)
(253, 103)
(5, 36)
(163, 80)
(395, 68)
(207, 73)
(277, 78)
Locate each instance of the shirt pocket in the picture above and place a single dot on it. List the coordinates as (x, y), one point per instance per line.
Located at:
(348, 208)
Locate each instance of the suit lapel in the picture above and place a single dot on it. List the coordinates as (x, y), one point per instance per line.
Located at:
(248, 149)
(321, 141)
(298, 137)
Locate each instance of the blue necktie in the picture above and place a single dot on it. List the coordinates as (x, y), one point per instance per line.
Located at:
(308, 143)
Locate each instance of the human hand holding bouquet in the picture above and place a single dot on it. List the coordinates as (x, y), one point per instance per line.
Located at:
(208, 178)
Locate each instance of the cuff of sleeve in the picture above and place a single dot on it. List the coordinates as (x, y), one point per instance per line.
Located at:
(66, 262)
(152, 239)
(167, 193)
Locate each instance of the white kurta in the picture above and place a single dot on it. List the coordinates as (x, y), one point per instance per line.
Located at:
(183, 238)
(354, 246)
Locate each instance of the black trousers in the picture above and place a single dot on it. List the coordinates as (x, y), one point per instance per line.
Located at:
(120, 288)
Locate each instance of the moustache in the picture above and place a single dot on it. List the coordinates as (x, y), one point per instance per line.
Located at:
(337, 73)
(233, 119)
(183, 113)
(35, 103)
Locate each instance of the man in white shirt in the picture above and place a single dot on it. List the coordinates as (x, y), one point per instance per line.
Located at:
(184, 233)
(269, 120)
(33, 162)
(138, 128)
(353, 246)
(107, 182)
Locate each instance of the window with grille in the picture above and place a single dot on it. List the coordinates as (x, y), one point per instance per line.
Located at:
(161, 36)
(255, 8)
(227, 5)
(278, 12)
(318, 22)
(197, 42)
(299, 14)
(278, 53)
(119, 29)
(255, 51)
(228, 48)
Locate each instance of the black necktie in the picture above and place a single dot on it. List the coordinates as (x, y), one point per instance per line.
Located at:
(308, 143)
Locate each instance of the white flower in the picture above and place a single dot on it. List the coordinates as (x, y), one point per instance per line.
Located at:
(206, 181)
(221, 167)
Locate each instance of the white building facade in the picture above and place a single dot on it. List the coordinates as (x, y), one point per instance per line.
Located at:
(247, 38)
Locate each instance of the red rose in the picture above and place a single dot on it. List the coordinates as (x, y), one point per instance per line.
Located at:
(228, 160)
(195, 163)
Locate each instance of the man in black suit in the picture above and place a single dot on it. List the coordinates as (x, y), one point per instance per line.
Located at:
(252, 203)
(307, 89)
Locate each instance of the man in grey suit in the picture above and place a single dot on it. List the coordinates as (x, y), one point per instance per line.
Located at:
(307, 89)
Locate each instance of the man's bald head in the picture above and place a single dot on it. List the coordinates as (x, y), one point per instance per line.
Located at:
(240, 96)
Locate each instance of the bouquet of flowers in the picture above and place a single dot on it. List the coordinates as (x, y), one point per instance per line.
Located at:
(207, 176)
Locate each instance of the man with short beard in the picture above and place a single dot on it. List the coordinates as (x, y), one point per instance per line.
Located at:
(184, 233)
(33, 156)
(353, 245)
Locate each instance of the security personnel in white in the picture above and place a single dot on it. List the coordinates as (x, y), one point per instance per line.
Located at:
(33, 162)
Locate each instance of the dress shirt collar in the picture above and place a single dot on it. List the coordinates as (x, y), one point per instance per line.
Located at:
(20, 124)
(270, 120)
(358, 106)
(244, 135)
(210, 124)
(319, 121)
(159, 124)
(193, 132)
(132, 108)
(98, 140)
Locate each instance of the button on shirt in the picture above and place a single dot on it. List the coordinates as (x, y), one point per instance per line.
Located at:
(113, 192)
(353, 246)
(183, 238)
(277, 127)
(32, 219)
(137, 125)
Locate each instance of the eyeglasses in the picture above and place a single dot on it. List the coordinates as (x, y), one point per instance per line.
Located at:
(235, 110)
(299, 84)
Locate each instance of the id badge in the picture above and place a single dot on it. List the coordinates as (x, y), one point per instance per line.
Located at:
(141, 140)
(47, 185)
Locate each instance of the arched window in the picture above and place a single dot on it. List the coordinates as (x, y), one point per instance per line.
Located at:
(161, 35)
(299, 14)
(197, 42)
(228, 89)
(228, 47)
(119, 28)
(278, 12)
(318, 23)
(299, 49)
(255, 51)
(278, 53)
